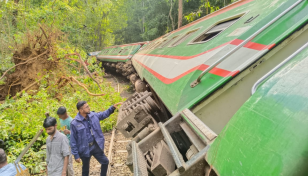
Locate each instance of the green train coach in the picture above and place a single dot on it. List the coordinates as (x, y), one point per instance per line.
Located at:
(194, 113)
(118, 58)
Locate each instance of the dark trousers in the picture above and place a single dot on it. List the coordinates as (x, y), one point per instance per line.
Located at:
(101, 158)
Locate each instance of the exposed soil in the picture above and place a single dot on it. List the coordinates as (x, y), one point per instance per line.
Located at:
(32, 60)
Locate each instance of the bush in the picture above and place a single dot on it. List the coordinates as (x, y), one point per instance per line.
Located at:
(21, 119)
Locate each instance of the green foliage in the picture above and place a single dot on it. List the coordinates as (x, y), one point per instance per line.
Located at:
(21, 119)
(206, 7)
(88, 24)
(148, 20)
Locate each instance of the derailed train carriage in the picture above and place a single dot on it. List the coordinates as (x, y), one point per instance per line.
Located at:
(197, 116)
(118, 58)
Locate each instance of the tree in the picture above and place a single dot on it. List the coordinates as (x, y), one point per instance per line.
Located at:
(180, 13)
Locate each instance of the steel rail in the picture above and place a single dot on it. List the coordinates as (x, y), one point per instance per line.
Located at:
(198, 80)
(256, 85)
(112, 139)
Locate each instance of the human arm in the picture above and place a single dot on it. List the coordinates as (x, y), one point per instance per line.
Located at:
(103, 115)
(116, 106)
(66, 131)
(47, 157)
(65, 154)
(65, 166)
(73, 138)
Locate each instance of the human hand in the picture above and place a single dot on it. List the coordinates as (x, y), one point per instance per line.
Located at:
(63, 174)
(47, 114)
(78, 160)
(117, 104)
(66, 131)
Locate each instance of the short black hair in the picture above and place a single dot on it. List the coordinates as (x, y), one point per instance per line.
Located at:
(49, 121)
(80, 104)
(3, 157)
(61, 110)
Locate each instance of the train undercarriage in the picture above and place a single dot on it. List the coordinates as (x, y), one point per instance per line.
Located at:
(165, 143)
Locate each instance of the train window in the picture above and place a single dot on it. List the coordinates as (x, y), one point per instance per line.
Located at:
(124, 50)
(214, 31)
(166, 43)
(184, 37)
(116, 50)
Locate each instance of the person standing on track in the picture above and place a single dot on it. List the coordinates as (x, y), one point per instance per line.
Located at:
(87, 138)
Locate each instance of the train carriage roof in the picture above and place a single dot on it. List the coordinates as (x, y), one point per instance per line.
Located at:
(172, 62)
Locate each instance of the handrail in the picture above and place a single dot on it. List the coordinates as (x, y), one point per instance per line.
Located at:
(256, 85)
(198, 80)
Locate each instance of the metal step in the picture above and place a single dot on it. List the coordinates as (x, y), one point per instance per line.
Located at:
(205, 133)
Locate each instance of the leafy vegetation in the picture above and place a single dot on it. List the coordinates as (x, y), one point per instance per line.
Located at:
(81, 26)
(21, 119)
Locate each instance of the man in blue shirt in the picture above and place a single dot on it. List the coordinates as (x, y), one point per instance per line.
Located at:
(65, 123)
(87, 138)
(5, 168)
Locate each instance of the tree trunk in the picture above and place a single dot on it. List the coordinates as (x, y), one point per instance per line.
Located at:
(170, 14)
(180, 13)
(143, 18)
(207, 7)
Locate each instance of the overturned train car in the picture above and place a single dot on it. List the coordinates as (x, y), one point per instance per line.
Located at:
(118, 59)
(192, 118)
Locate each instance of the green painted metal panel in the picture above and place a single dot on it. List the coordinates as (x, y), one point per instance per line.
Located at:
(126, 50)
(268, 135)
(179, 95)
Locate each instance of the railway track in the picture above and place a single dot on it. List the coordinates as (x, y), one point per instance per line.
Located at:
(115, 147)
(117, 152)
(117, 155)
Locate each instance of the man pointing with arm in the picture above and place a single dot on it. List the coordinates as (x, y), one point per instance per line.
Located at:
(87, 138)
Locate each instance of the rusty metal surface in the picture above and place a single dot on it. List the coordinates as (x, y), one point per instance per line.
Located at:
(144, 96)
(178, 158)
(140, 86)
(191, 152)
(199, 144)
(136, 114)
(163, 164)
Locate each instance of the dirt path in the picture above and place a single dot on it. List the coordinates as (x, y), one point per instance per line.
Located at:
(119, 154)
